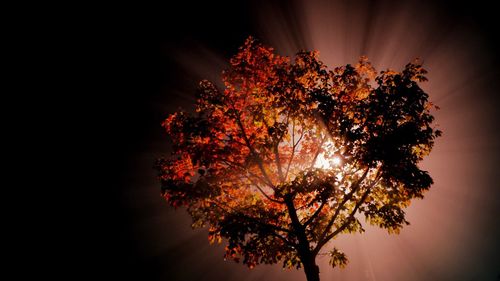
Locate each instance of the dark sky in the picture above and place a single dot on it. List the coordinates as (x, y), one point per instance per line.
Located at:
(154, 57)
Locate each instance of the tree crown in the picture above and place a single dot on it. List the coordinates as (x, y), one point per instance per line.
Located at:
(280, 160)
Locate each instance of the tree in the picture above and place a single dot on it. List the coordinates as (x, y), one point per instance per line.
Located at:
(281, 160)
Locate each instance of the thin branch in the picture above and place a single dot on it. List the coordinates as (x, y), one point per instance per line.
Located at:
(341, 205)
(245, 169)
(293, 149)
(235, 211)
(294, 146)
(346, 223)
(317, 152)
(276, 155)
(284, 132)
(289, 243)
(318, 211)
(262, 191)
(273, 228)
(228, 140)
(252, 150)
(278, 163)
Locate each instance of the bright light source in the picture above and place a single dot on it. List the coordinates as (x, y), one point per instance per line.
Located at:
(321, 162)
(327, 163)
(336, 161)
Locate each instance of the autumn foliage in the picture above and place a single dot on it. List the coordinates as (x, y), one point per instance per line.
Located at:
(280, 161)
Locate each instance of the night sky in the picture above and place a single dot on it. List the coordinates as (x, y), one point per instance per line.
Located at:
(158, 54)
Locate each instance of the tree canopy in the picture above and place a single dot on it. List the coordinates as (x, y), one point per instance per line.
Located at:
(280, 161)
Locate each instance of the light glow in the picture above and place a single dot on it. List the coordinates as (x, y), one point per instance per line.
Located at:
(461, 82)
(327, 159)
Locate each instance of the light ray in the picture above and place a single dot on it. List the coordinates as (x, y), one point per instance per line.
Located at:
(463, 202)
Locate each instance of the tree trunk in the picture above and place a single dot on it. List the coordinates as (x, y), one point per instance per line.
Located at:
(311, 269)
(306, 256)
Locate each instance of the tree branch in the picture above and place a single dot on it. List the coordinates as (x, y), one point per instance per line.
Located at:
(346, 223)
(294, 146)
(244, 170)
(318, 211)
(317, 152)
(255, 220)
(262, 191)
(252, 150)
(341, 205)
(289, 243)
(276, 155)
